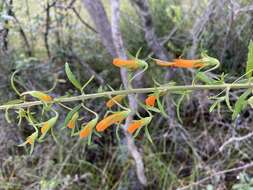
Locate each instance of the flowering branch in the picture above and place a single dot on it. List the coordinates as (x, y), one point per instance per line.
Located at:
(164, 88)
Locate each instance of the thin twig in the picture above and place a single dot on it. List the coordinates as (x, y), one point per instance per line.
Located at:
(83, 21)
(235, 139)
(217, 174)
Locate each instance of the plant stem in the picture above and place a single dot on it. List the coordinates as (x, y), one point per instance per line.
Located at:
(167, 88)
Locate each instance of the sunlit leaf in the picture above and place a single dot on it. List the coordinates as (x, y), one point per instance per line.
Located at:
(72, 77)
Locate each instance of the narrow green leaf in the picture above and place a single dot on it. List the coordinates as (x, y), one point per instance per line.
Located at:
(70, 115)
(241, 103)
(227, 100)
(216, 103)
(178, 107)
(148, 135)
(7, 118)
(72, 77)
(13, 83)
(160, 106)
(249, 67)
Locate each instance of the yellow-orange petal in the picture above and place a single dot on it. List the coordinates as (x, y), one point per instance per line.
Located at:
(46, 98)
(85, 131)
(40, 95)
(134, 126)
(111, 119)
(129, 64)
(30, 140)
(72, 122)
(138, 123)
(110, 103)
(150, 101)
(45, 127)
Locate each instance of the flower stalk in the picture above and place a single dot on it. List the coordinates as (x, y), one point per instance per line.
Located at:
(168, 88)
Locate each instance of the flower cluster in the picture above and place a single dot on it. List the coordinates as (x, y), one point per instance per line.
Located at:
(116, 117)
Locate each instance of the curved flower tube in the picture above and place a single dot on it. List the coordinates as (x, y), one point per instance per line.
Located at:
(40, 95)
(30, 139)
(114, 100)
(136, 124)
(46, 126)
(117, 117)
(87, 129)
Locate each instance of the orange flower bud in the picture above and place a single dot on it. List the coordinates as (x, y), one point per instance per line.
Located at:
(150, 100)
(72, 122)
(138, 123)
(110, 103)
(117, 117)
(129, 64)
(46, 126)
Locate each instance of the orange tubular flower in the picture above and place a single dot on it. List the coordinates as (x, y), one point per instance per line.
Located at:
(150, 100)
(45, 127)
(181, 63)
(129, 64)
(111, 119)
(87, 129)
(110, 103)
(40, 95)
(48, 124)
(31, 139)
(85, 132)
(72, 122)
(138, 123)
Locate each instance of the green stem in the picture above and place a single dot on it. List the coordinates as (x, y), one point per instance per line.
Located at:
(167, 88)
